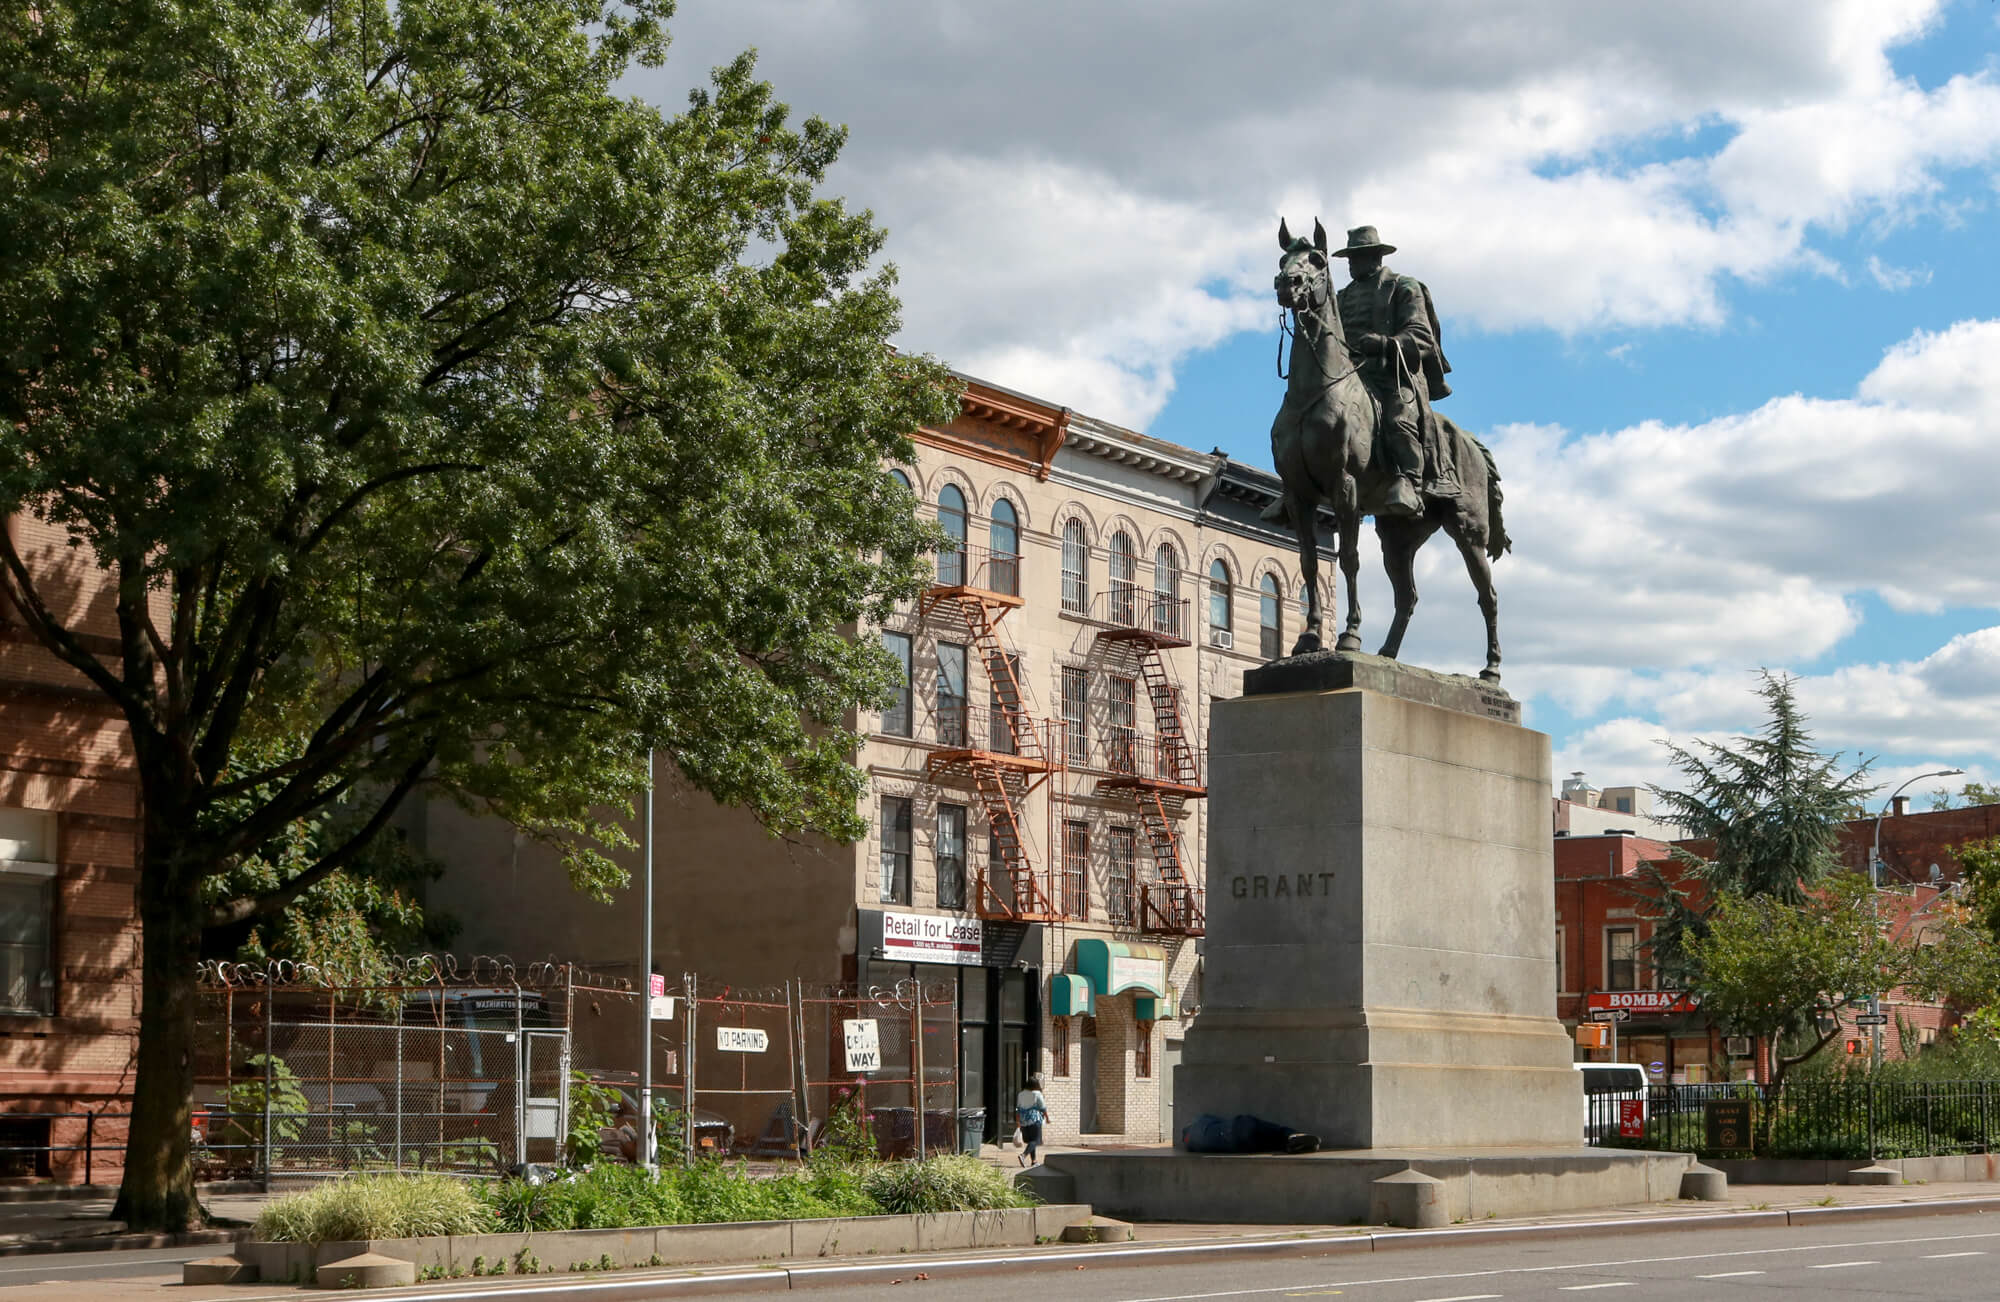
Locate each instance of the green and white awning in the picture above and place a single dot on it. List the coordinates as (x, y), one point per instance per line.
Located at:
(1115, 966)
(1069, 996)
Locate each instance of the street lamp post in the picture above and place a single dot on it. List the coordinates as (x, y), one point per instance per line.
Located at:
(1874, 904)
(647, 1157)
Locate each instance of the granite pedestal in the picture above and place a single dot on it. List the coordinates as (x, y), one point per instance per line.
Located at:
(1380, 961)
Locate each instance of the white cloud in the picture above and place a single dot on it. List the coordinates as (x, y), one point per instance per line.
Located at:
(1896, 278)
(1076, 191)
(1657, 567)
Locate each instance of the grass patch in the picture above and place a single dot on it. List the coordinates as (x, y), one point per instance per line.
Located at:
(956, 1182)
(376, 1207)
(609, 1196)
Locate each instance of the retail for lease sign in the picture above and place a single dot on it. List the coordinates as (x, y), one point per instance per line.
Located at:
(1643, 1001)
(931, 938)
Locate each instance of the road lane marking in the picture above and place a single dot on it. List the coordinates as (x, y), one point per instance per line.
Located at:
(1730, 1274)
(1584, 1288)
(1463, 1297)
(1839, 1265)
(1103, 1258)
(1940, 1256)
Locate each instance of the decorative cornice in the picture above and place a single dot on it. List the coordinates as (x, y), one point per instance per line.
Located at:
(1002, 428)
(1139, 457)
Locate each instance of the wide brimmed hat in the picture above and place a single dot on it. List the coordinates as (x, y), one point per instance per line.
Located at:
(1363, 239)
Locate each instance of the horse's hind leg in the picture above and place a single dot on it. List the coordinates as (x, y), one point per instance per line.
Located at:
(1401, 540)
(1481, 571)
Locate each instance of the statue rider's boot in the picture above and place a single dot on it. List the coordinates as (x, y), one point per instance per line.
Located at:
(1401, 500)
(1276, 513)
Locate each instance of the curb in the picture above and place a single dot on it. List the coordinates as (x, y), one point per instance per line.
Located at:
(785, 1278)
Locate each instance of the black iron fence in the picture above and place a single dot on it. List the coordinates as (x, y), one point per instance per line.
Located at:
(1838, 1119)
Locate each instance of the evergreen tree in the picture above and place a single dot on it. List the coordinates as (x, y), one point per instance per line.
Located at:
(1771, 806)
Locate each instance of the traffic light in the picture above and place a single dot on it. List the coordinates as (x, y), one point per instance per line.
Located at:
(1854, 1046)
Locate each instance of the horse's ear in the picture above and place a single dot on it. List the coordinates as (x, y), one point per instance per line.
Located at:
(1284, 235)
(1319, 236)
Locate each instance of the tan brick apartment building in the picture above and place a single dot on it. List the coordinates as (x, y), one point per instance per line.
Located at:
(69, 931)
(1036, 791)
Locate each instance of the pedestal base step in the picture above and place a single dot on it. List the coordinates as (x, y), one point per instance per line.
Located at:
(1341, 1188)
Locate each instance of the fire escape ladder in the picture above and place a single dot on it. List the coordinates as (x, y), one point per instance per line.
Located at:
(1007, 694)
(1160, 833)
(1176, 755)
(1024, 896)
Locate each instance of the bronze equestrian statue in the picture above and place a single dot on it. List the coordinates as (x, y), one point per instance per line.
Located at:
(1357, 433)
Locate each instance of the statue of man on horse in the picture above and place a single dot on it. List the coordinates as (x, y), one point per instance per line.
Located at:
(1356, 433)
(1395, 332)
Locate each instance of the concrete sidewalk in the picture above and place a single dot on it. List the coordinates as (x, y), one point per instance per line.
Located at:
(1805, 1203)
(83, 1224)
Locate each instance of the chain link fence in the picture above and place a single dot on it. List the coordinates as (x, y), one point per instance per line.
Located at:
(482, 1068)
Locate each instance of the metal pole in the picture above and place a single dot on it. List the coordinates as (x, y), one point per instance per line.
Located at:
(689, 984)
(89, 1143)
(647, 1157)
(269, 999)
(917, 1057)
(399, 1082)
(520, 1080)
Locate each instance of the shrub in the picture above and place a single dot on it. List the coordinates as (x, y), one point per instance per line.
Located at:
(376, 1207)
(956, 1182)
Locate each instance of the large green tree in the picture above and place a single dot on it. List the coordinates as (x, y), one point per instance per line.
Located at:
(1771, 806)
(436, 416)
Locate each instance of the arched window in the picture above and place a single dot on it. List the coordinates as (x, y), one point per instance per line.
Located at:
(900, 478)
(1003, 536)
(951, 517)
(1270, 618)
(1076, 568)
(1218, 603)
(1167, 616)
(1124, 580)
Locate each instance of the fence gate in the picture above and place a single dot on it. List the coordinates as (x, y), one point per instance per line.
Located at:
(545, 1098)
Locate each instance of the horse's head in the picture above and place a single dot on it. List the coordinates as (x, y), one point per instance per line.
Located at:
(1302, 279)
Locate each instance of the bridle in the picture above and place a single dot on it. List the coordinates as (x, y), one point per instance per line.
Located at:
(1287, 331)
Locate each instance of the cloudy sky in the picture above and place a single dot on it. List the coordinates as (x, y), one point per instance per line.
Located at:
(1718, 282)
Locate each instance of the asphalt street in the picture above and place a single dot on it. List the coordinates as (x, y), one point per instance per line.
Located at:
(1934, 1257)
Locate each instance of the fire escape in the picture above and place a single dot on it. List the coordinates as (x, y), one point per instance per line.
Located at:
(1002, 752)
(1162, 773)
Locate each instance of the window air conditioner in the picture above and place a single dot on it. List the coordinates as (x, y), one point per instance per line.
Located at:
(1221, 637)
(1738, 1046)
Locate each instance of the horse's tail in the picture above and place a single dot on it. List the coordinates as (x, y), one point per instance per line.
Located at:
(1497, 540)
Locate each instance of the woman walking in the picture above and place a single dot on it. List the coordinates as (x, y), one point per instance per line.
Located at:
(1032, 1109)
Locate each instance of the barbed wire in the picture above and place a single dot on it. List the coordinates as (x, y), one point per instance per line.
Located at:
(405, 972)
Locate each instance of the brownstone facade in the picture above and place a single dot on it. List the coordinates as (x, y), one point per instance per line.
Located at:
(69, 930)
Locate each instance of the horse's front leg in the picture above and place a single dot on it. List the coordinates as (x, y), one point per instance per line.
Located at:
(1350, 577)
(1305, 519)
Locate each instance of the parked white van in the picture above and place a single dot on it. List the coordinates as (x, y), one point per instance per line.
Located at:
(1605, 1085)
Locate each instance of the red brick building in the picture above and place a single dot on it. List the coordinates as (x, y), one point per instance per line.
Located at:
(69, 931)
(1602, 931)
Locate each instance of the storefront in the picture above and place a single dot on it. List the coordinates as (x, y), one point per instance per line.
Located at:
(996, 970)
(1662, 1031)
(1107, 1005)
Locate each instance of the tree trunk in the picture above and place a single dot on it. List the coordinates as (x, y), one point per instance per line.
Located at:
(158, 1189)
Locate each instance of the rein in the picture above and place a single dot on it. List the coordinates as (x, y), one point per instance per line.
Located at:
(1285, 331)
